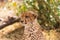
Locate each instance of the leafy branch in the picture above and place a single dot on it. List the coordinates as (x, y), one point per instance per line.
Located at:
(47, 12)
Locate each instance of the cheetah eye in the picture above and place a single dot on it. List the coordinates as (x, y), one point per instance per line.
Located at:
(22, 21)
(26, 16)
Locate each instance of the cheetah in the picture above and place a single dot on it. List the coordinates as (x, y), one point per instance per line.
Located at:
(32, 29)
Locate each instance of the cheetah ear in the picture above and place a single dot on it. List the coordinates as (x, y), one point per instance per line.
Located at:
(34, 14)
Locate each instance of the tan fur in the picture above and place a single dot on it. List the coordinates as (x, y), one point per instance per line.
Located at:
(32, 29)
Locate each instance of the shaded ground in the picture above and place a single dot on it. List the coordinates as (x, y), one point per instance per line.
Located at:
(17, 35)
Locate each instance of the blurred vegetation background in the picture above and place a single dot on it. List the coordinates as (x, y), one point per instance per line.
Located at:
(48, 12)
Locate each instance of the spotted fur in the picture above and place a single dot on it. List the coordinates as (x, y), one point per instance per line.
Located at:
(32, 30)
(27, 17)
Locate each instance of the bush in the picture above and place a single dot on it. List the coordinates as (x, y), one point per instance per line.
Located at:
(48, 12)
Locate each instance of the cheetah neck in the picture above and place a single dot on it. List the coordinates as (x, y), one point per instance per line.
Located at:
(32, 26)
(32, 31)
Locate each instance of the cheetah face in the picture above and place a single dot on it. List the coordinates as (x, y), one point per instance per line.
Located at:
(27, 17)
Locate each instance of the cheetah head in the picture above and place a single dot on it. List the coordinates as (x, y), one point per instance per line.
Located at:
(28, 17)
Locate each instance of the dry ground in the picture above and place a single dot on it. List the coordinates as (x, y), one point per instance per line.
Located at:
(17, 35)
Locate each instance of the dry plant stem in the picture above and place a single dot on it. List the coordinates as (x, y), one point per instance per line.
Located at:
(10, 28)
